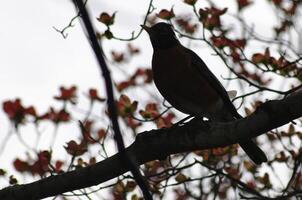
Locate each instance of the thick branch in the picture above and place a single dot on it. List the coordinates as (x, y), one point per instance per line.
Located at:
(157, 144)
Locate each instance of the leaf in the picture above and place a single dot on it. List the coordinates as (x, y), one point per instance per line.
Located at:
(257, 58)
(106, 19)
(251, 167)
(166, 14)
(219, 42)
(248, 111)
(123, 85)
(181, 178)
(251, 184)
(219, 151)
(132, 123)
(281, 157)
(267, 54)
(130, 186)
(125, 106)
(232, 93)
(93, 95)
(101, 133)
(119, 188)
(150, 111)
(277, 2)
(56, 116)
(217, 12)
(21, 166)
(235, 56)
(16, 112)
(264, 58)
(291, 129)
(234, 172)
(58, 166)
(41, 165)
(117, 57)
(67, 94)
(75, 149)
(2, 172)
(165, 121)
(190, 2)
(265, 180)
(133, 50)
(12, 180)
(186, 25)
(108, 34)
(243, 3)
(92, 161)
(30, 111)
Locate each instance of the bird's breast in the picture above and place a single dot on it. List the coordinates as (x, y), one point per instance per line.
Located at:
(181, 83)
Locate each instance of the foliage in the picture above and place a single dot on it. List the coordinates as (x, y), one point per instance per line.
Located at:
(223, 173)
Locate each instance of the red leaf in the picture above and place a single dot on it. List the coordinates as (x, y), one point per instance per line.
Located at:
(258, 58)
(251, 185)
(58, 166)
(41, 166)
(117, 57)
(132, 123)
(190, 2)
(106, 19)
(165, 14)
(187, 26)
(125, 106)
(277, 2)
(21, 166)
(93, 95)
(123, 85)
(101, 134)
(219, 42)
(30, 111)
(165, 121)
(234, 172)
(265, 180)
(133, 50)
(75, 149)
(16, 111)
(56, 116)
(243, 3)
(210, 17)
(67, 94)
(12, 108)
(150, 111)
(235, 56)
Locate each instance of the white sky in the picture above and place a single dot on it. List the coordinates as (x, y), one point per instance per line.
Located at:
(35, 60)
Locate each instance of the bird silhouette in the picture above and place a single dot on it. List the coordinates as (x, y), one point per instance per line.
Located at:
(185, 81)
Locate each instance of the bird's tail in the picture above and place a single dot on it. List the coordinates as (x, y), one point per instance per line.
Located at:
(253, 151)
(250, 147)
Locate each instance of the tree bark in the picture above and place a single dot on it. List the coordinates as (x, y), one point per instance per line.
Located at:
(157, 144)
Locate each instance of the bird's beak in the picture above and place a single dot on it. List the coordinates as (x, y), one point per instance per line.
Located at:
(146, 28)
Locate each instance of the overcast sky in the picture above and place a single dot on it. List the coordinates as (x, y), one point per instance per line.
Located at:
(35, 60)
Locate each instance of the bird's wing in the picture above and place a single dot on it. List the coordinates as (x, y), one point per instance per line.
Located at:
(212, 80)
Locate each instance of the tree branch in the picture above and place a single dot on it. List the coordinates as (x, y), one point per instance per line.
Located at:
(131, 163)
(157, 144)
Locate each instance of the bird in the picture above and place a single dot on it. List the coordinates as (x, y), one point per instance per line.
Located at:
(186, 82)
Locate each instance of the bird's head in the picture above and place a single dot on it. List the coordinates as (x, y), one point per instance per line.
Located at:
(161, 35)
